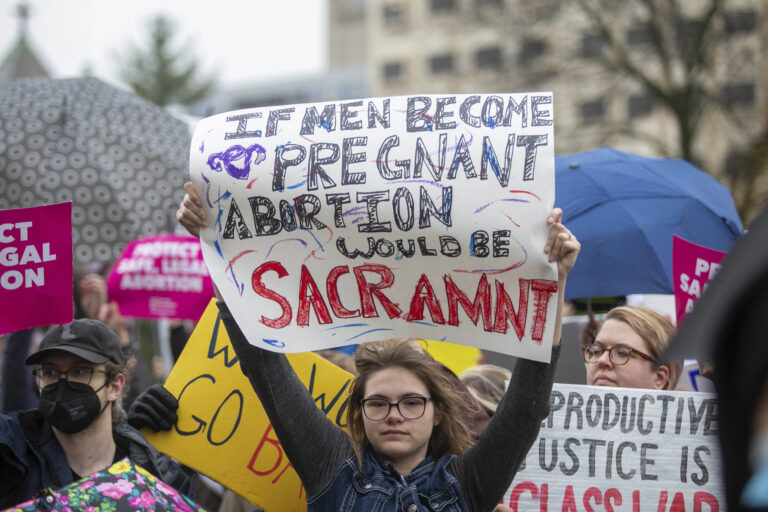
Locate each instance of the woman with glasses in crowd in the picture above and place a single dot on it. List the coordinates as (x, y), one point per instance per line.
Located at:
(407, 448)
(626, 349)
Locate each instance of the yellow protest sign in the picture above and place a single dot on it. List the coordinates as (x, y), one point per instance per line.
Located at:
(223, 430)
(456, 357)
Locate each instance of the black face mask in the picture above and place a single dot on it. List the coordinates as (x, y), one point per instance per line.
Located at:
(69, 406)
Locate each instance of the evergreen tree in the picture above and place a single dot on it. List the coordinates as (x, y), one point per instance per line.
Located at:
(161, 73)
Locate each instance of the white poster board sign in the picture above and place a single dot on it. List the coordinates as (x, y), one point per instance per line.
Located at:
(619, 449)
(353, 221)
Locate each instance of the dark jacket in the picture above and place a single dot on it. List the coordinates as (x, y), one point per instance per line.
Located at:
(31, 459)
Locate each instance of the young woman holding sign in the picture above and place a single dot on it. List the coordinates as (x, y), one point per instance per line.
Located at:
(407, 448)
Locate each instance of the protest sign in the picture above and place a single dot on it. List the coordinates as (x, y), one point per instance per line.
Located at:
(693, 266)
(620, 449)
(161, 277)
(35, 266)
(223, 430)
(420, 216)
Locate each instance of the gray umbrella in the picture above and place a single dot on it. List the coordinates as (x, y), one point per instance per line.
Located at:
(121, 160)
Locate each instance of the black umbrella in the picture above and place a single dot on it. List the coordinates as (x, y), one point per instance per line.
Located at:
(121, 160)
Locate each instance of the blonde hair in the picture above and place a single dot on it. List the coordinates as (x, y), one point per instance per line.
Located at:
(450, 435)
(487, 383)
(655, 330)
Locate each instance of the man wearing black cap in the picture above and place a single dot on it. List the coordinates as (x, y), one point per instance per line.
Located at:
(78, 428)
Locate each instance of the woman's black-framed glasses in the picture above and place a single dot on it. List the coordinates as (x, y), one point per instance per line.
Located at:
(409, 407)
(80, 374)
(618, 354)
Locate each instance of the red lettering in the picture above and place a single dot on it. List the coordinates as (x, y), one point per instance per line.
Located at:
(309, 293)
(542, 292)
(273, 441)
(275, 444)
(259, 288)
(569, 501)
(416, 311)
(331, 288)
(518, 490)
(700, 497)
(592, 492)
(612, 497)
(662, 502)
(635, 501)
(367, 291)
(482, 303)
(678, 503)
(505, 310)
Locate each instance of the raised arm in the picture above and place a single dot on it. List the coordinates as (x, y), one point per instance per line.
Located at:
(314, 444)
(486, 470)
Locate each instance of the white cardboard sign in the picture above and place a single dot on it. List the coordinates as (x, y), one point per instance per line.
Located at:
(619, 449)
(360, 220)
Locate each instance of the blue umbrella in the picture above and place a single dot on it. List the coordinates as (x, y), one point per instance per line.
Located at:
(625, 208)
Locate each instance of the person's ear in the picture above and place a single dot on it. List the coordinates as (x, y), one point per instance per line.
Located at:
(438, 416)
(116, 386)
(660, 377)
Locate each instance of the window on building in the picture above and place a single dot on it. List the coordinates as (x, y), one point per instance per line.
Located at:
(739, 22)
(531, 49)
(592, 45)
(593, 111)
(393, 72)
(488, 58)
(639, 105)
(443, 5)
(440, 64)
(639, 35)
(738, 94)
(393, 15)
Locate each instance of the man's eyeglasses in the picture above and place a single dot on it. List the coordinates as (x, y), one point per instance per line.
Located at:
(409, 407)
(79, 374)
(618, 354)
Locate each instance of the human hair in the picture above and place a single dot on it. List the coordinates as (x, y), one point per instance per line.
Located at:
(113, 370)
(450, 435)
(654, 329)
(487, 383)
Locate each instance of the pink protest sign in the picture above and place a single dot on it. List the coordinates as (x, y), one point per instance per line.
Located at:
(161, 277)
(692, 267)
(35, 266)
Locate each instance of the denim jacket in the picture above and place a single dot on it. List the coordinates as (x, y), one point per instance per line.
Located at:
(379, 488)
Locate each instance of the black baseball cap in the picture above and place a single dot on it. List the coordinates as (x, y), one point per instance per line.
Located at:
(90, 339)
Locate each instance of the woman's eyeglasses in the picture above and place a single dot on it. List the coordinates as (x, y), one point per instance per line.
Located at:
(618, 354)
(409, 407)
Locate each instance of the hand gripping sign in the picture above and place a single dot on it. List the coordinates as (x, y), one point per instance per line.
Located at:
(419, 216)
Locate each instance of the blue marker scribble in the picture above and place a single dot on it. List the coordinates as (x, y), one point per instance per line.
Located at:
(240, 286)
(316, 240)
(218, 249)
(428, 324)
(367, 332)
(274, 343)
(300, 184)
(345, 326)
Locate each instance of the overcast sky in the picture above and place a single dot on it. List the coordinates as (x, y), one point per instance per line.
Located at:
(239, 40)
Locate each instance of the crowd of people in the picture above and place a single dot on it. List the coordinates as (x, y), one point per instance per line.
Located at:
(419, 435)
